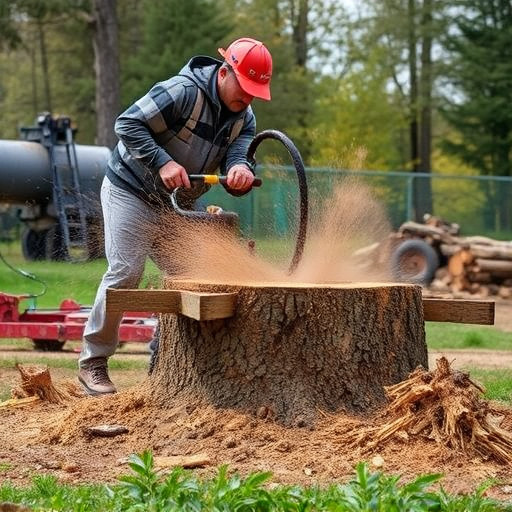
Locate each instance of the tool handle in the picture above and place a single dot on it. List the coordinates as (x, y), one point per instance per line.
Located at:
(214, 179)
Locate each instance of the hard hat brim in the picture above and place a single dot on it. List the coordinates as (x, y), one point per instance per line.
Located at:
(255, 89)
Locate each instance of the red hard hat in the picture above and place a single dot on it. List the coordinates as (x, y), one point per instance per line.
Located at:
(252, 64)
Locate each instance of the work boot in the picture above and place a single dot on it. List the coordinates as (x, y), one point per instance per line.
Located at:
(93, 375)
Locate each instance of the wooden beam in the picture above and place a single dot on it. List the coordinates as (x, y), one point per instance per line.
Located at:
(460, 311)
(211, 306)
(158, 301)
(208, 306)
(200, 306)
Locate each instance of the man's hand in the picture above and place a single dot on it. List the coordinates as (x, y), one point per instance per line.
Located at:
(240, 178)
(174, 175)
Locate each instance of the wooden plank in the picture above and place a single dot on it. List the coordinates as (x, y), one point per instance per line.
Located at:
(159, 301)
(460, 311)
(200, 306)
(208, 306)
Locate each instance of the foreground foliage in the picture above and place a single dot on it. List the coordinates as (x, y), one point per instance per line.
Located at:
(145, 489)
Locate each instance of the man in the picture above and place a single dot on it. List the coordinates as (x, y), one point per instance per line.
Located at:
(190, 124)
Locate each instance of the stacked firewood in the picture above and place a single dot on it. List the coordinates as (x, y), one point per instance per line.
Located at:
(475, 264)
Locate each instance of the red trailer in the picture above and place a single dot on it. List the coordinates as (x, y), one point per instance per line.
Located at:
(49, 329)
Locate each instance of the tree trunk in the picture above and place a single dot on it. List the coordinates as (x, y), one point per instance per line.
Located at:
(44, 66)
(291, 351)
(300, 25)
(106, 64)
(425, 89)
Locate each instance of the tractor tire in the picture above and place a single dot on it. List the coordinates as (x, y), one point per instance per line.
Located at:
(414, 261)
(48, 345)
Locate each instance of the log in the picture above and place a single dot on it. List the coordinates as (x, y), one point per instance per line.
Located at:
(449, 250)
(493, 252)
(505, 292)
(484, 265)
(483, 240)
(458, 262)
(292, 350)
(479, 277)
(450, 227)
(422, 231)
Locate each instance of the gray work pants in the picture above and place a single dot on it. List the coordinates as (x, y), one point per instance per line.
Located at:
(132, 232)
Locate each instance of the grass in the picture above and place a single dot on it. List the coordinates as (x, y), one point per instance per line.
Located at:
(442, 336)
(77, 281)
(497, 383)
(71, 363)
(147, 489)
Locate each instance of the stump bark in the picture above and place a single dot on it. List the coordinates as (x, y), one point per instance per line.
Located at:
(292, 351)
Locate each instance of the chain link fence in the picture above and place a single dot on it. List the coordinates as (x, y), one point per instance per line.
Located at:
(481, 205)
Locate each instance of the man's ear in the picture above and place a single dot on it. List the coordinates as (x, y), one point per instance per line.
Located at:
(223, 72)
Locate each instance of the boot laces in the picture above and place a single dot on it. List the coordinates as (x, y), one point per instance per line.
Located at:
(99, 372)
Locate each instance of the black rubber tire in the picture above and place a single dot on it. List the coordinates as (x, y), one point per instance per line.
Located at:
(48, 345)
(414, 261)
(55, 248)
(33, 244)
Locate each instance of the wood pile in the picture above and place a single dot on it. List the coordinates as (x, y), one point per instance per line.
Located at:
(476, 265)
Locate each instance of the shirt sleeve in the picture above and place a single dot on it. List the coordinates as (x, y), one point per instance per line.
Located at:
(237, 151)
(154, 113)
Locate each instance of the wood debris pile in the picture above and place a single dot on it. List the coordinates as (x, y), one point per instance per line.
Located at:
(36, 382)
(475, 264)
(445, 406)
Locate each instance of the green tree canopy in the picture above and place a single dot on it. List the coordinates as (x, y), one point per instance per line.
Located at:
(481, 79)
(173, 31)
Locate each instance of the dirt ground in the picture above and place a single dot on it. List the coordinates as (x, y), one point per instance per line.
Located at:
(50, 438)
(54, 439)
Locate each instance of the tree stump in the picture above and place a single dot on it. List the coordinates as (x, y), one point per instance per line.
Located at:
(292, 350)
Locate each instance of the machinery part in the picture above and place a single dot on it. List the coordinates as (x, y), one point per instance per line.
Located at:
(25, 173)
(228, 219)
(303, 186)
(49, 329)
(414, 261)
(33, 244)
(48, 345)
(215, 179)
(45, 244)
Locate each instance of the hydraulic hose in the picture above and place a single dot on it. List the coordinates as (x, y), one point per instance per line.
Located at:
(27, 275)
(303, 186)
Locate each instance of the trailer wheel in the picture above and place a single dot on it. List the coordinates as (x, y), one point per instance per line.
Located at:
(48, 345)
(55, 247)
(33, 244)
(414, 261)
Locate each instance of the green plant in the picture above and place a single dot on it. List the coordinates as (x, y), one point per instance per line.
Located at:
(473, 339)
(149, 490)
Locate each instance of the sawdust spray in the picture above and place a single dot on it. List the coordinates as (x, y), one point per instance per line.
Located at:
(349, 219)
